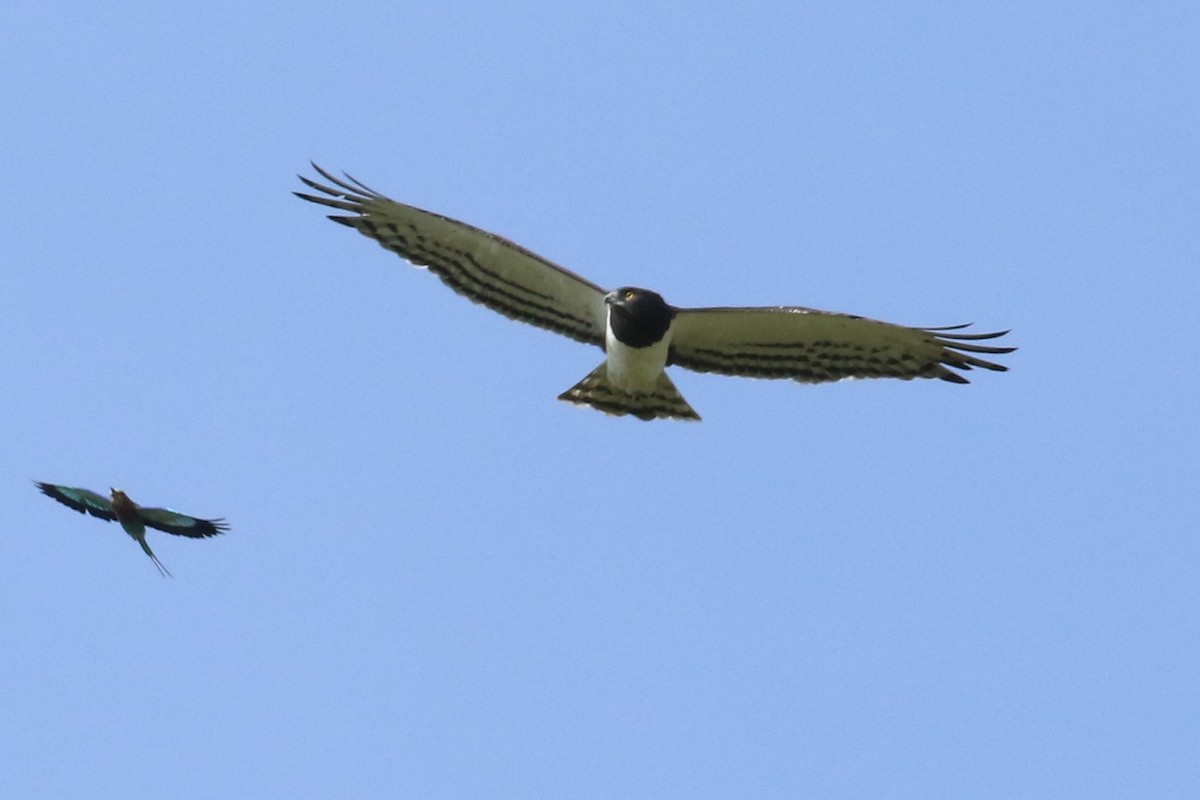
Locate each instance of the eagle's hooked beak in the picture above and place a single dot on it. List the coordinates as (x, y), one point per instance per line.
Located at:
(619, 297)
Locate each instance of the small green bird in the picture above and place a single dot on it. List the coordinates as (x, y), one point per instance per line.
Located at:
(134, 518)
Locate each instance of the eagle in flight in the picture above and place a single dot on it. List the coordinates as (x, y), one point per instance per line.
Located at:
(134, 518)
(641, 333)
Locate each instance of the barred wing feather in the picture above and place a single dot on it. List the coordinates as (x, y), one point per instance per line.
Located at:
(482, 266)
(813, 346)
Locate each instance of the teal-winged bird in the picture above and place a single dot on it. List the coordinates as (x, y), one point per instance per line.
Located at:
(134, 518)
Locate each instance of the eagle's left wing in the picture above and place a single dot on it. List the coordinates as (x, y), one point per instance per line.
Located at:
(813, 346)
(485, 267)
(168, 521)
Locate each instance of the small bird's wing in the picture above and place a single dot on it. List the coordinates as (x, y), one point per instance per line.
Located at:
(168, 521)
(485, 267)
(81, 500)
(813, 346)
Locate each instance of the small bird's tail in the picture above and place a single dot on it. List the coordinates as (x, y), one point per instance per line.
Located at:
(161, 567)
(664, 401)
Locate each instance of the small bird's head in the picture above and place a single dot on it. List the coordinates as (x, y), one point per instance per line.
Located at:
(121, 504)
(638, 317)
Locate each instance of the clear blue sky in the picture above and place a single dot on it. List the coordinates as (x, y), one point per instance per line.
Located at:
(441, 582)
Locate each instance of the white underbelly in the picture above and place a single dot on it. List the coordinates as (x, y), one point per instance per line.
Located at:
(635, 369)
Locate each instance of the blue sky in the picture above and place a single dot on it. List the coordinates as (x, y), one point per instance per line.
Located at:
(440, 581)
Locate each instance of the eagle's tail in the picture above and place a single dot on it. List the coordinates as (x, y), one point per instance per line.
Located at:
(664, 401)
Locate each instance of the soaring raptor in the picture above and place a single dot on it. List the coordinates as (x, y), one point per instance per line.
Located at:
(642, 334)
(134, 518)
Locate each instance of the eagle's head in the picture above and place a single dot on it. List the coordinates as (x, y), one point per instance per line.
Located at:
(638, 317)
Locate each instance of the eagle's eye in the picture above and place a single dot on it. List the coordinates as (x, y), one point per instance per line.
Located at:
(627, 294)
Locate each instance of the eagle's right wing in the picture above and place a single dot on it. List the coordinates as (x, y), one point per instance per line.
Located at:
(485, 267)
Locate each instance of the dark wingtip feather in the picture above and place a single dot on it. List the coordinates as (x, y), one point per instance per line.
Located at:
(348, 186)
(49, 489)
(211, 527)
(323, 172)
(958, 350)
